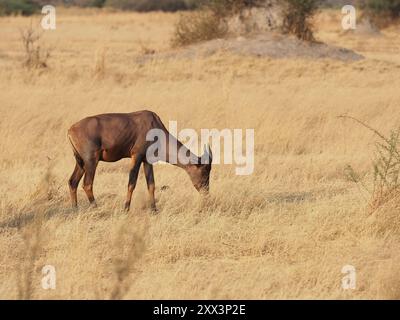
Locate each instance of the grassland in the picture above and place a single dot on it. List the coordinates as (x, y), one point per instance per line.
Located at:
(284, 232)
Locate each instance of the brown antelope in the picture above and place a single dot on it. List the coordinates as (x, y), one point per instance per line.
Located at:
(114, 136)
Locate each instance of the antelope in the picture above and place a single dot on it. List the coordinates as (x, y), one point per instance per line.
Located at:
(113, 136)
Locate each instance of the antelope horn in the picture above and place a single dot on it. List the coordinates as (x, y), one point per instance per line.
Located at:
(207, 155)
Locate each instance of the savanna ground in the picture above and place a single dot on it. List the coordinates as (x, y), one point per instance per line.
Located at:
(285, 231)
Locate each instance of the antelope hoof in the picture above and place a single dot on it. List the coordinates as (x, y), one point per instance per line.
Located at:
(93, 205)
(153, 210)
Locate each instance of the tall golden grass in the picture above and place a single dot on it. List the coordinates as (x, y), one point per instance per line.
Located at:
(284, 232)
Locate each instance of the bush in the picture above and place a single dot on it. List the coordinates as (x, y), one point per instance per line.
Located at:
(382, 12)
(98, 3)
(151, 5)
(210, 22)
(23, 7)
(225, 8)
(297, 18)
(390, 7)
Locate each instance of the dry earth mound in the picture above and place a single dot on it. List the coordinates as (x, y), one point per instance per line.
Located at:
(272, 45)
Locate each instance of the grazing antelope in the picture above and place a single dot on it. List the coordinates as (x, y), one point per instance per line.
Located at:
(114, 136)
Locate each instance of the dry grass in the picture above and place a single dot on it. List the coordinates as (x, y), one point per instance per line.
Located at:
(284, 232)
(198, 26)
(99, 69)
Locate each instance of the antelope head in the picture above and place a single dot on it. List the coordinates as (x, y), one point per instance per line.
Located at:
(200, 173)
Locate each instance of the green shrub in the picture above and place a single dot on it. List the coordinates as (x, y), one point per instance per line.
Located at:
(297, 18)
(390, 7)
(386, 168)
(98, 3)
(151, 5)
(382, 12)
(23, 7)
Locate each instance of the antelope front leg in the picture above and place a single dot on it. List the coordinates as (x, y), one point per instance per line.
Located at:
(133, 175)
(149, 173)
